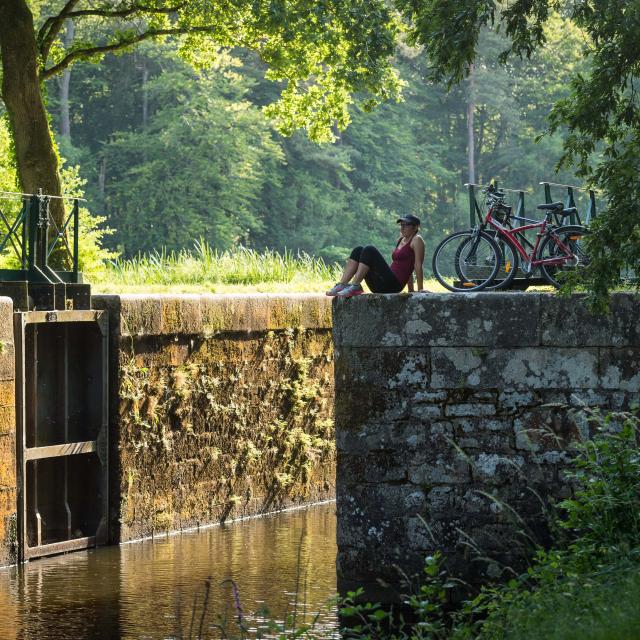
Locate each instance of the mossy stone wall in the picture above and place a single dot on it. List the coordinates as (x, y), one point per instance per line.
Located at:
(221, 406)
(8, 485)
(456, 418)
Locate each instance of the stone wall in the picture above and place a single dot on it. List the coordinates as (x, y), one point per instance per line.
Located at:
(7, 435)
(221, 406)
(453, 424)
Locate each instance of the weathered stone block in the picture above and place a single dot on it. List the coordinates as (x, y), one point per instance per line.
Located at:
(359, 404)
(517, 368)
(459, 410)
(513, 401)
(486, 440)
(568, 321)
(620, 369)
(370, 321)
(7, 392)
(436, 320)
(6, 320)
(139, 315)
(453, 320)
(376, 466)
(549, 427)
(386, 368)
(7, 419)
(496, 469)
(444, 469)
(7, 461)
(7, 361)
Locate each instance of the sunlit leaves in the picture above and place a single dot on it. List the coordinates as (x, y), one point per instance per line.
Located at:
(324, 51)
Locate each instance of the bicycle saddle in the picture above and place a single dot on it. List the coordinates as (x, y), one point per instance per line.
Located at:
(569, 211)
(551, 206)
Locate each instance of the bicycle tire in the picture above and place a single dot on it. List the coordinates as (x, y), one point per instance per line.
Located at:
(509, 264)
(570, 236)
(451, 270)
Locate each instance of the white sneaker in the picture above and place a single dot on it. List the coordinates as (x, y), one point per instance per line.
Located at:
(336, 289)
(350, 290)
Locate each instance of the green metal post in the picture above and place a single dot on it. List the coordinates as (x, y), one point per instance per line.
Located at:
(25, 226)
(591, 209)
(76, 222)
(472, 206)
(33, 212)
(520, 205)
(570, 202)
(547, 192)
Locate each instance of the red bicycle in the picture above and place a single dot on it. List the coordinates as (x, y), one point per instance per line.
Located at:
(490, 255)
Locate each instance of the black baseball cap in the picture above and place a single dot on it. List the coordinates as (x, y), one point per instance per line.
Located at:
(413, 220)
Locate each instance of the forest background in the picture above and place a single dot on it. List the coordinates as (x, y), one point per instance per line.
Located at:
(169, 155)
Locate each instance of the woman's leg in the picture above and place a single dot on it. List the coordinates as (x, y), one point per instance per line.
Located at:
(374, 269)
(351, 268)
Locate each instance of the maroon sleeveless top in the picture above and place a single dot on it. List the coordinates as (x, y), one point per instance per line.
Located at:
(403, 261)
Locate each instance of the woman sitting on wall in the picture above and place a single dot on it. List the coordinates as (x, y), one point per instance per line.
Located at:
(367, 263)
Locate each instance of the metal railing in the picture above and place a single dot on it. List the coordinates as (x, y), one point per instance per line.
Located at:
(569, 198)
(475, 210)
(34, 236)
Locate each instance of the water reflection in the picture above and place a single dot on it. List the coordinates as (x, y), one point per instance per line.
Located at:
(148, 589)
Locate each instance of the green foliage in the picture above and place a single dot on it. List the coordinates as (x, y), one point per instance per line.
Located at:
(92, 255)
(321, 52)
(601, 114)
(176, 176)
(196, 170)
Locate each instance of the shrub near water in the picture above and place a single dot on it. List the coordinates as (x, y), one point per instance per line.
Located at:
(209, 267)
(587, 587)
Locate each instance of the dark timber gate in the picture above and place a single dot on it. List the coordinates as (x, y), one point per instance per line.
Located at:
(62, 429)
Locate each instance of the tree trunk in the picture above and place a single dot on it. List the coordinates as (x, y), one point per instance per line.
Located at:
(36, 158)
(145, 94)
(65, 81)
(102, 175)
(471, 106)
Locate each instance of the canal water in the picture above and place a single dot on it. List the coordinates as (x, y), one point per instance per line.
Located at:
(156, 589)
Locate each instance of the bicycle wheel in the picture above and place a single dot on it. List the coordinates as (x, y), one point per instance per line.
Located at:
(566, 244)
(466, 261)
(509, 265)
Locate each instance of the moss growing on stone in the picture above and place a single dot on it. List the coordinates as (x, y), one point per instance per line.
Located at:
(224, 425)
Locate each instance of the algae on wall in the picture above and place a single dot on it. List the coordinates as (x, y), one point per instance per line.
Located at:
(223, 425)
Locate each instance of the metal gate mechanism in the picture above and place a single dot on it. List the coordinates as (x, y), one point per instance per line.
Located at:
(31, 237)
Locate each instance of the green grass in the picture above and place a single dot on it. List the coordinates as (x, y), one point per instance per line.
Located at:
(207, 270)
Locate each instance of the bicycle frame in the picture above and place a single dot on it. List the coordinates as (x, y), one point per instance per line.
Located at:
(511, 235)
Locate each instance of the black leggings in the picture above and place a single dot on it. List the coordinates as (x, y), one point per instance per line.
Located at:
(380, 278)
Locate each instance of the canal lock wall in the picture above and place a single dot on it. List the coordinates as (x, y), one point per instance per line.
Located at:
(456, 417)
(8, 480)
(220, 407)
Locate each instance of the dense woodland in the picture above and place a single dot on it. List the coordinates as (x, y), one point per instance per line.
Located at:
(172, 152)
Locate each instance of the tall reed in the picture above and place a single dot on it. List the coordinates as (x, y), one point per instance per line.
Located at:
(205, 265)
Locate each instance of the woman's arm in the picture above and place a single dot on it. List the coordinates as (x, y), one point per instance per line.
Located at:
(417, 244)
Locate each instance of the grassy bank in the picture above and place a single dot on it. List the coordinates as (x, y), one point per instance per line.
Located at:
(206, 270)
